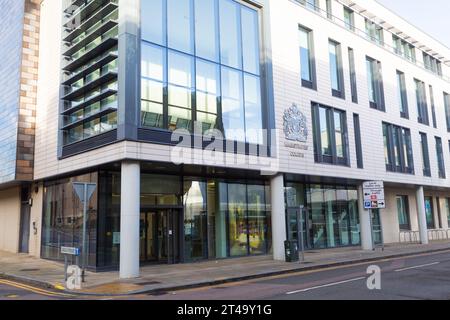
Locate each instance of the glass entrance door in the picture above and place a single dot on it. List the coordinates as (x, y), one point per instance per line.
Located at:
(160, 236)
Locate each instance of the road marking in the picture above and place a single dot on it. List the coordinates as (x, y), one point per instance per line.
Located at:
(33, 289)
(417, 267)
(326, 285)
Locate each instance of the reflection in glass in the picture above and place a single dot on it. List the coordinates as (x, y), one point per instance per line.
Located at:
(256, 219)
(179, 18)
(305, 55)
(206, 33)
(230, 40)
(238, 228)
(152, 12)
(250, 37)
(253, 116)
(195, 219)
(232, 104)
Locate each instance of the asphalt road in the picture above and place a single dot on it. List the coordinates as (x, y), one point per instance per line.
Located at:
(418, 277)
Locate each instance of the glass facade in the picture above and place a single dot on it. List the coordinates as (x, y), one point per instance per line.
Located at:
(331, 215)
(183, 219)
(196, 68)
(62, 223)
(11, 24)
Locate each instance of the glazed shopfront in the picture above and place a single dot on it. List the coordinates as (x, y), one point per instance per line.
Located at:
(183, 218)
(330, 215)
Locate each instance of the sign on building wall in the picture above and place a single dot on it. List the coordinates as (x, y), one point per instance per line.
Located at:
(374, 195)
(295, 129)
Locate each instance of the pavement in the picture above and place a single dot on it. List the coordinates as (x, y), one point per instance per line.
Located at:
(159, 279)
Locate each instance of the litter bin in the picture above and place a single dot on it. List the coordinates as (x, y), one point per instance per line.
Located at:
(291, 250)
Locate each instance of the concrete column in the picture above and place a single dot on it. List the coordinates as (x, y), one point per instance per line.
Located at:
(130, 219)
(278, 217)
(421, 215)
(365, 225)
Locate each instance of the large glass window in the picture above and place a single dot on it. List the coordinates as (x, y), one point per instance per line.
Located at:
(330, 215)
(204, 54)
(374, 32)
(206, 30)
(330, 135)
(349, 19)
(353, 81)
(62, 221)
(398, 149)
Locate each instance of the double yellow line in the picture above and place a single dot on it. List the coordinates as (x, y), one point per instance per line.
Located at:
(34, 289)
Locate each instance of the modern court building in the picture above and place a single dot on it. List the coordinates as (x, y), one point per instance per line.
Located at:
(277, 104)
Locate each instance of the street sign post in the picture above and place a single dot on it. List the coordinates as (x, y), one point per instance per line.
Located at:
(374, 195)
(374, 200)
(84, 191)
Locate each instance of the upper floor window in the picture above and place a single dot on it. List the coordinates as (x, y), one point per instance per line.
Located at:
(374, 32)
(447, 110)
(402, 96)
(336, 73)
(349, 19)
(307, 66)
(432, 64)
(196, 68)
(422, 105)
(404, 49)
(352, 69)
(375, 84)
(330, 135)
(398, 149)
(440, 158)
(310, 4)
(433, 107)
(425, 155)
(329, 7)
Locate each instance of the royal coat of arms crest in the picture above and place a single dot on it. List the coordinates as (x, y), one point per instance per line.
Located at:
(295, 124)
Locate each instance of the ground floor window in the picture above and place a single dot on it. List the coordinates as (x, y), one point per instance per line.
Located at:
(330, 215)
(429, 213)
(62, 222)
(403, 212)
(182, 219)
(447, 208)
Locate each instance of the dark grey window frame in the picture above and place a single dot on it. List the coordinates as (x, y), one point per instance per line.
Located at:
(358, 142)
(425, 154)
(405, 227)
(340, 70)
(312, 60)
(433, 107)
(378, 86)
(403, 95)
(318, 156)
(422, 105)
(447, 109)
(353, 80)
(406, 165)
(440, 158)
(351, 13)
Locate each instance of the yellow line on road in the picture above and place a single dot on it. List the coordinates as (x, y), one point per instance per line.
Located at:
(34, 289)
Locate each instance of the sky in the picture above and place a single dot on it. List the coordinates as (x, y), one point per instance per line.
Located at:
(431, 16)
